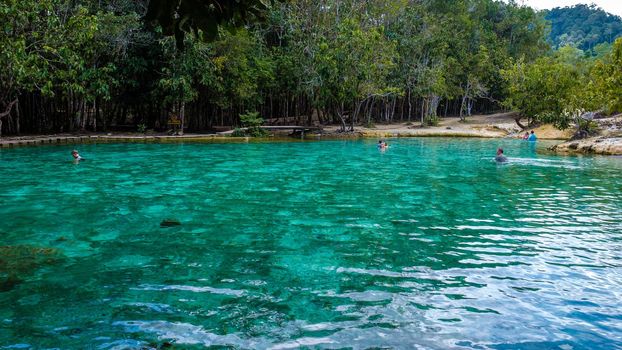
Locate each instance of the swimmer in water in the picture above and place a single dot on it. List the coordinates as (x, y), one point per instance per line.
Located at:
(533, 136)
(526, 136)
(500, 158)
(382, 145)
(76, 156)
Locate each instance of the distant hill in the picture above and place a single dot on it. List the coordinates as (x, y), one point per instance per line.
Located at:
(583, 26)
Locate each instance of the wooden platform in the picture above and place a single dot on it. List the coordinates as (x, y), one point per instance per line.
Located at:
(294, 128)
(11, 142)
(62, 139)
(31, 141)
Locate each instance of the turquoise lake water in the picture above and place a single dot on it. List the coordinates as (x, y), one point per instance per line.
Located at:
(332, 244)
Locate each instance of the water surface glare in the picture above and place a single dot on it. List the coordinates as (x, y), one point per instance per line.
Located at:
(334, 244)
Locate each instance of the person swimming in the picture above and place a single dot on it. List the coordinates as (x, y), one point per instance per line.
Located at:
(532, 137)
(500, 158)
(76, 156)
(382, 145)
(526, 136)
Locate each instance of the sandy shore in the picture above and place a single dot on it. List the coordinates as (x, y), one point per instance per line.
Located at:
(486, 126)
(491, 126)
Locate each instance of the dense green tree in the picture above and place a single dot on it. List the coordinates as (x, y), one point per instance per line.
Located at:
(559, 87)
(605, 85)
(541, 90)
(203, 17)
(48, 46)
(583, 26)
(113, 64)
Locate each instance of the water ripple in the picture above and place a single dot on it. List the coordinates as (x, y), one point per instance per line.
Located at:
(310, 245)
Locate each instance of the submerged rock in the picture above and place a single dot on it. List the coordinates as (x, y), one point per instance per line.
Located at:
(18, 261)
(170, 223)
(8, 283)
(21, 258)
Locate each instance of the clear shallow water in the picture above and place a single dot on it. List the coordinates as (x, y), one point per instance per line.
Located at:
(429, 245)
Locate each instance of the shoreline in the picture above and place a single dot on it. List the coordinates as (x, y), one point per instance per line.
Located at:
(500, 125)
(64, 139)
(495, 126)
(602, 145)
(605, 146)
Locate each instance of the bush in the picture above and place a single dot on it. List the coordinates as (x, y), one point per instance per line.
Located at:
(589, 126)
(238, 133)
(142, 128)
(431, 120)
(256, 132)
(586, 127)
(560, 121)
(252, 121)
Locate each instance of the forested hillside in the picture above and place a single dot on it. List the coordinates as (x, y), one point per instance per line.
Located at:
(583, 26)
(99, 65)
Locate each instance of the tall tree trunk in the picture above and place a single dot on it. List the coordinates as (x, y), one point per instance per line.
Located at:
(7, 112)
(342, 119)
(182, 112)
(410, 106)
(423, 110)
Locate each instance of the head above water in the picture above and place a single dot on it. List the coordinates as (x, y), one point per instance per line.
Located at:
(74, 152)
(499, 151)
(532, 132)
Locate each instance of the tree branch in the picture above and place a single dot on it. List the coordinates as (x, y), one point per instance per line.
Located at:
(8, 109)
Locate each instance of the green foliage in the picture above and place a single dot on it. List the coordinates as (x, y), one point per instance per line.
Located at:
(605, 81)
(561, 121)
(583, 26)
(41, 52)
(584, 127)
(558, 88)
(345, 62)
(252, 121)
(237, 132)
(142, 128)
(457, 51)
(85, 64)
(589, 126)
(203, 17)
(431, 120)
(241, 69)
(257, 132)
(58, 49)
(542, 90)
